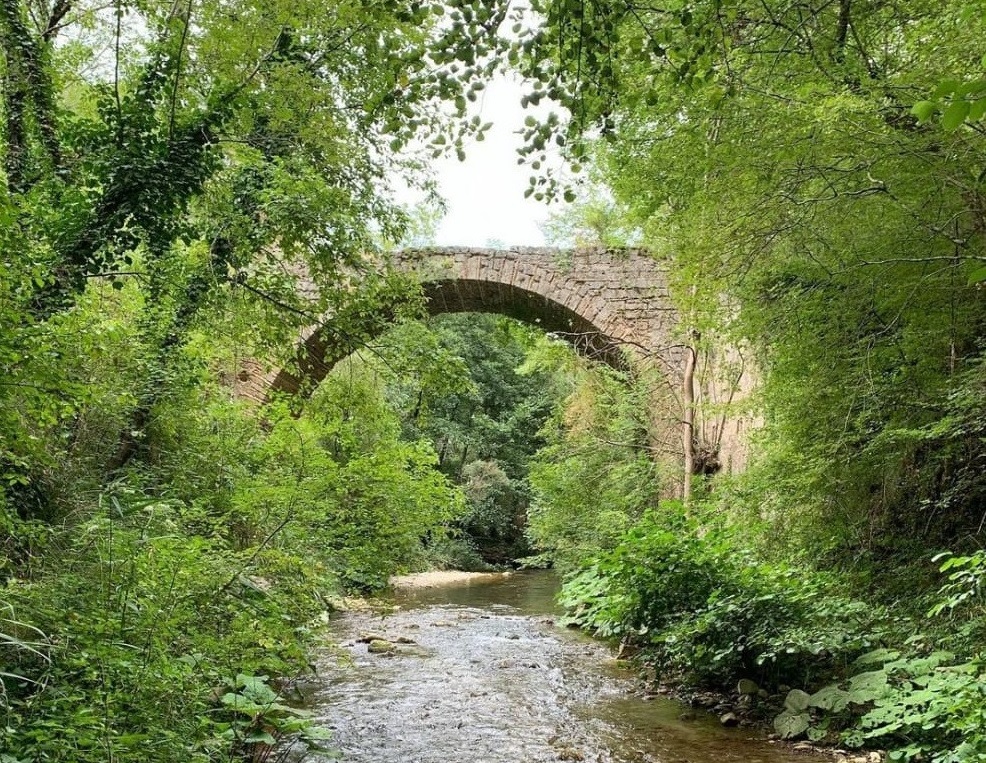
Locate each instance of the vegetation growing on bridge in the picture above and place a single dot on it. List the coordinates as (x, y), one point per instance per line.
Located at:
(814, 174)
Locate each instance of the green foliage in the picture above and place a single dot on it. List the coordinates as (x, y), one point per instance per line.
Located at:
(813, 176)
(958, 102)
(141, 619)
(168, 176)
(457, 383)
(214, 558)
(964, 592)
(598, 473)
(261, 720)
(921, 706)
(838, 242)
(707, 611)
(129, 596)
(591, 219)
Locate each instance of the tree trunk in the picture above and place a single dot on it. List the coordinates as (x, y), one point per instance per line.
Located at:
(688, 423)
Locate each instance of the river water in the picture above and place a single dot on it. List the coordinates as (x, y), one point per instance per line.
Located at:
(490, 678)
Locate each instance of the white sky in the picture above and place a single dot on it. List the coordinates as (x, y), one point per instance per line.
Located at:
(485, 193)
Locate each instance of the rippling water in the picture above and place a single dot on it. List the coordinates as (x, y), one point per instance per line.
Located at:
(490, 678)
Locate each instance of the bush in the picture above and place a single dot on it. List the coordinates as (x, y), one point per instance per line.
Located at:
(706, 611)
(131, 627)
(144, 625)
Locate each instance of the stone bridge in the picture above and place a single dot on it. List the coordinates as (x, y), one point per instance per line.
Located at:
(613, 305)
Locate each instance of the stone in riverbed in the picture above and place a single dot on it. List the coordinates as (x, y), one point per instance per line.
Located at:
(729, 719)
(380, 646)
(570, 753)
(746, 686)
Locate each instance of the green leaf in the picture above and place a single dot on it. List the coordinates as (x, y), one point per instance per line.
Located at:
(866, 687)
(830, 698)
(955, 115)
(260, 737)
(797, 700)
(923, 110)
(946, 87)
(971, 88)
(877, 656)
(789, 724)
(816, 734)
(977, 276)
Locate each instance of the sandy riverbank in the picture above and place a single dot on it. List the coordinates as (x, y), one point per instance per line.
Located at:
(437, 578)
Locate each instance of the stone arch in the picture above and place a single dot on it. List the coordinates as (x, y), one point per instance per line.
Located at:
(613, 305)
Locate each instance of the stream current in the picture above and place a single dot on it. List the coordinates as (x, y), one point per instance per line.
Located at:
(490, 678)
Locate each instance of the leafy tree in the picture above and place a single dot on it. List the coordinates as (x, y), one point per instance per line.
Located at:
(598, 471)
(457, 384)
(768, 151)
(205, 153)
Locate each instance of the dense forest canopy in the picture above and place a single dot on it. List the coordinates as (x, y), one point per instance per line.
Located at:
(811, 170)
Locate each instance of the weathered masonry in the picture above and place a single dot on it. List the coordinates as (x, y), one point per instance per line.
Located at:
(611, 304)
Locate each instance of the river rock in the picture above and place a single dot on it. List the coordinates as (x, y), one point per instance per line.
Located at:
(626, 651)
(728, 719)
(570, 753)
(708, 701)
(564, 751)
(405, 640)
(380, 646)
(746, 686)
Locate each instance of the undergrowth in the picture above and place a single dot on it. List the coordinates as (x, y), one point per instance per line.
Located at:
(706, 613)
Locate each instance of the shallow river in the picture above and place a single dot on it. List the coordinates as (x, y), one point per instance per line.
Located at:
(491, 679)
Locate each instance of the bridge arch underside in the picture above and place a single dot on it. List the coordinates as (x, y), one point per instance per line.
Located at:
(476, 296)
(324, 347)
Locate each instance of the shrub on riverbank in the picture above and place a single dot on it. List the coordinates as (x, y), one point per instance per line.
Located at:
(150, 622)
(706, 613)
(710, 613)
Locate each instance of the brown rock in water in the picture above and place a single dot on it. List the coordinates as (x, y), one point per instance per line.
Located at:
(570, 753)
(380, 646)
